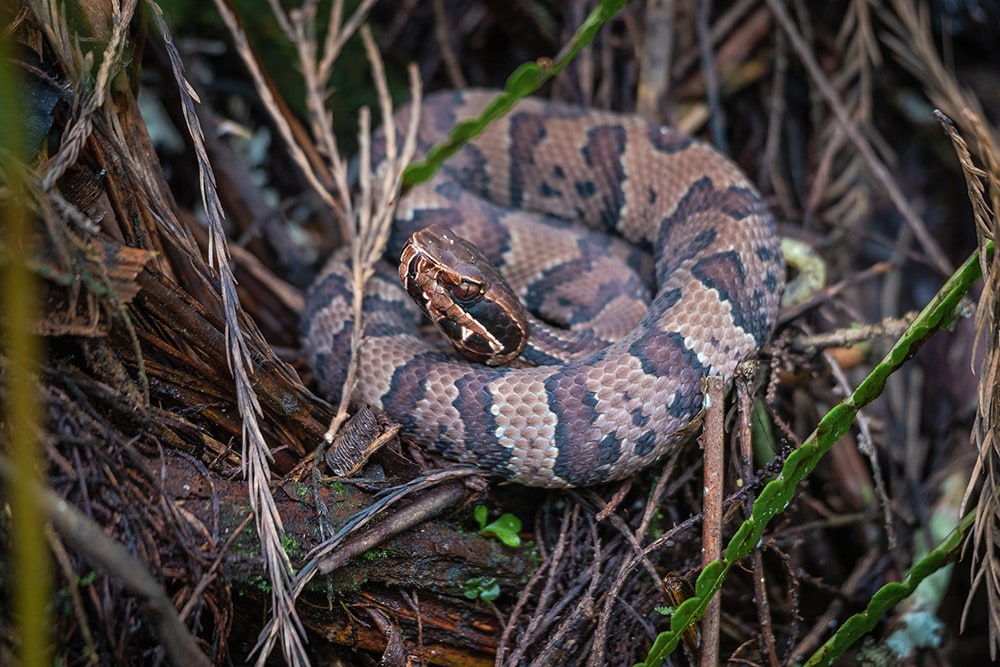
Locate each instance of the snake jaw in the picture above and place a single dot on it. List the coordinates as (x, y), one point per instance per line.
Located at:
(464, 296)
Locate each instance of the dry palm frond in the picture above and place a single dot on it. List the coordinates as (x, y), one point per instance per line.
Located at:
(986, 432)
(986, 533)
(256, 454)
(94, 90)
(370, 230)
(91, 94)
(300, 29)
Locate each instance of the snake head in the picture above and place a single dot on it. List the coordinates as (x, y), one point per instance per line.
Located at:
(464, 295)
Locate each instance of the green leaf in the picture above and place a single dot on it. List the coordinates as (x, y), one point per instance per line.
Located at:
(889, 596)
(684, 613)
(505, 529)
(480, 514)
(713, 573)
(523, 80)
(482, 588)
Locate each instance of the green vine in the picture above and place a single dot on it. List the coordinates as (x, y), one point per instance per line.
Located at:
(938, 314)
(889, 596)
(524, 81)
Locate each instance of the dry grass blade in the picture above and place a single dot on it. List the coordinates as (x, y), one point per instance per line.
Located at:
(374, 214)
(275, 109)
(256, 453)
(338, 34)
(316, 75)
(986, 567)
(20, 412)
(300, 30)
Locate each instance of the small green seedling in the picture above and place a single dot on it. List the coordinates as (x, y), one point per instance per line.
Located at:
(505, 528)
(483, 588)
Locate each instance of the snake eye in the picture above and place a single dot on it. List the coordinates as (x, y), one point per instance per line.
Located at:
(466, 290)
(470, 286)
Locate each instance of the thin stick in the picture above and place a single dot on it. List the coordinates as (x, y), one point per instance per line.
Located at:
(744, 401)
(712, 443)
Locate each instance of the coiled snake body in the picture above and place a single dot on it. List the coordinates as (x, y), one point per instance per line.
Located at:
(607, 411)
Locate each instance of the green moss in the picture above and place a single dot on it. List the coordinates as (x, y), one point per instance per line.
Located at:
(291, 546)
(260, 582)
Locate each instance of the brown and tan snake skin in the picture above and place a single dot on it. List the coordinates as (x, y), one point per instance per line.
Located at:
(716, 279)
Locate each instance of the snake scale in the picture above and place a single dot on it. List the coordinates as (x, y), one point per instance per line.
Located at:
(709, 300)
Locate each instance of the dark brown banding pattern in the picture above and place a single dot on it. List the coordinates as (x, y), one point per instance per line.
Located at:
(610, 400)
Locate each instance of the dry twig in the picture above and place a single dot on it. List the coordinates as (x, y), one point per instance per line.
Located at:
(712, 444)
